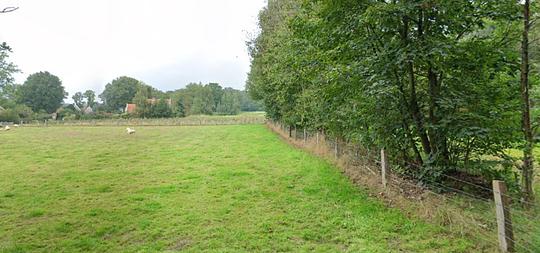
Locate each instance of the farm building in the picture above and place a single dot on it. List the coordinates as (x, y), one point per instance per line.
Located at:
(131, 108)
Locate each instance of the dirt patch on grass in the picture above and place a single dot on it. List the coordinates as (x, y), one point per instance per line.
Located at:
(180, 244)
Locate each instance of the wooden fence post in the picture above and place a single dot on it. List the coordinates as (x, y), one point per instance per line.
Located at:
(305, 136)
(384, 166)
(290, 131)
(317, 137)
(504, 220)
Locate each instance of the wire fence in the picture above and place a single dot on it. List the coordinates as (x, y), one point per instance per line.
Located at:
(466, 207)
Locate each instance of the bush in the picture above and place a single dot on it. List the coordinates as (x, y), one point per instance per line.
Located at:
(41, 115)
(24, 112)
(68, 113)
(161, 110)
(9, 115)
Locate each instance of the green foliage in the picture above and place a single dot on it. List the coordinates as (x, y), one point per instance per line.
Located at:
(229, 103)
(436, 83)
(199, 99)
(141, 100)
(179, 110)
(150, 107)
(216, 92)
(203, 100)
(41, 91)
(78, 98)
(90, 97)
(68, 113)
(24, 112)
(534, 39)
(7, 68)
(161, 110)
(249, 105)
(9, 115)
(119, 92)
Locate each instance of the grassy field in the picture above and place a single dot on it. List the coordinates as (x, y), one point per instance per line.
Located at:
(190, 189)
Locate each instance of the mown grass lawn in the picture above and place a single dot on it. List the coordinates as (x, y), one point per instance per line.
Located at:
(192, 189)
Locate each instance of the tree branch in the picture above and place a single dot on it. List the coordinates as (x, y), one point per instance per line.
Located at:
(9, 9)
(467, 29)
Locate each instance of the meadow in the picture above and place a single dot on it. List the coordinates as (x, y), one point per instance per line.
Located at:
(237, 188)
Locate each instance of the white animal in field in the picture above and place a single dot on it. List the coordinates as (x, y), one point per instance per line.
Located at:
(130, 131)
(16, 125)
(7, 128)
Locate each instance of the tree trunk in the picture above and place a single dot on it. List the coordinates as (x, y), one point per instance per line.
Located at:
(416, 114)
(413, 106)
(527, 169)
(438, 139)
(405, 115)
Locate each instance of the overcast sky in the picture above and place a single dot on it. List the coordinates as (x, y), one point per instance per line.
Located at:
(165, 43)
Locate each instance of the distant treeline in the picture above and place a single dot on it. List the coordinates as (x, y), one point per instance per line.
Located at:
(41, 97)
(213, 99)
(194, 99)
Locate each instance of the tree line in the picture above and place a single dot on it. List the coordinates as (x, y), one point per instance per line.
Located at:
(437, 83)
(194, 99)
(42, 95)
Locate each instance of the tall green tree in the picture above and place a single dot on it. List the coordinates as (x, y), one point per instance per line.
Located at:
(119, 92)
(528, 159)
(161, 109)
(179, 110)
(7, 68)
(197, 98)
(217, 91)
(229, 103)
(201, 98)
(90, 97)
(247, 104)
(42, 91)
(141, 100)
(78, 98)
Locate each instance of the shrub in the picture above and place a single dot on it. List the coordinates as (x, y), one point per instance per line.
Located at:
(9, 115)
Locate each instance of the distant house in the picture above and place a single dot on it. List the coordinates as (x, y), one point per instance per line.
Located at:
(85, 110)
(88, 110)
(131, 108)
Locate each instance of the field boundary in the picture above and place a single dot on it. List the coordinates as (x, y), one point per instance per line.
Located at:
(465, 215)
(188, 121)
